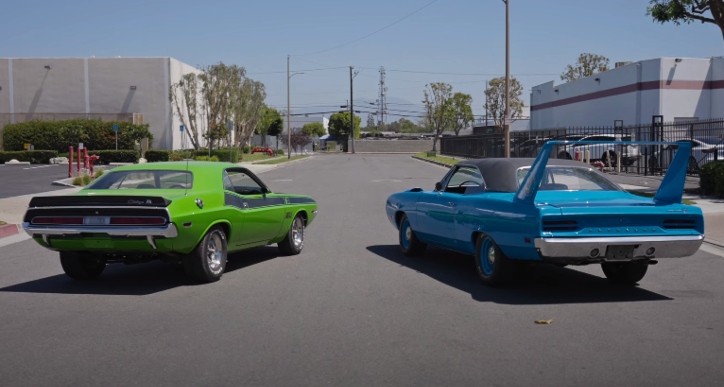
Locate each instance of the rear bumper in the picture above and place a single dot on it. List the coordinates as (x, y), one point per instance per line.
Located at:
(597, 249)
(150, 233)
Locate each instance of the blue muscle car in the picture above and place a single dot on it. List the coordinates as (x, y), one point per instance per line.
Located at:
(508, 210)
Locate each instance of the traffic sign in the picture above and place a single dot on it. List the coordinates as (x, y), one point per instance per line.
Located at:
(181, 127)
(115, 127)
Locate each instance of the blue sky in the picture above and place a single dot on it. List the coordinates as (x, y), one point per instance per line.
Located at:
(463, 38)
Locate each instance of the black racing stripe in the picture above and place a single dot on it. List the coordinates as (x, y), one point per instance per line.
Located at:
(264, 202)
(233, 200)
(300, 200)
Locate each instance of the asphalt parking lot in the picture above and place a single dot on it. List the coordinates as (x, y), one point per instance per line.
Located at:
(22, 179)
(351, 310)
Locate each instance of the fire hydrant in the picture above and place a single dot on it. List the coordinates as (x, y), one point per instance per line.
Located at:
(91, 159)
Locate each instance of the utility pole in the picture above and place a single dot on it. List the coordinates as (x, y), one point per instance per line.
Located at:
(351, 106)
(486, 103)
(289, 132)
(506, 123)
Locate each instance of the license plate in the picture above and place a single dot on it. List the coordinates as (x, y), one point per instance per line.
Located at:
(97, 220)
(620, 253)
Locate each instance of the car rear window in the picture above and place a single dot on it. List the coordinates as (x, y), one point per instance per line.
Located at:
(144, 179)
(570, 178)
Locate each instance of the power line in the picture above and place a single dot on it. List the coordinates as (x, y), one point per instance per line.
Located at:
(370, 34)
(284, 72)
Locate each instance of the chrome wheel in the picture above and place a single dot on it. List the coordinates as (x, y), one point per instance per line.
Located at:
(215, 253)
(298, 233)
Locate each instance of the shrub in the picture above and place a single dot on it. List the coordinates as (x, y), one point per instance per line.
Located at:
(221, 154)
(98, 173)
(711, 179)
(246, 149)
(280, 151)
(157, 155)
(33, 156)
(206, 158)
(59, 135)
(115, 156)
(78, 180)
(86, 179)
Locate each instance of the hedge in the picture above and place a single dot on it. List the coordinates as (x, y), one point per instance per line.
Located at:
(33, 156)
(114, 156)
(157, 155)
(711, 179)
(59, 135)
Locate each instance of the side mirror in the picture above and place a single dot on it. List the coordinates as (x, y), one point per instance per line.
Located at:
(438, 186)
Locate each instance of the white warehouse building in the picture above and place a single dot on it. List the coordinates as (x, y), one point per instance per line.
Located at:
(63, 88)
(677, 88)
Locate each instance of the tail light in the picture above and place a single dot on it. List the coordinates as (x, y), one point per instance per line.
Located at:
(134, 220)
(58, 220)
(560, 225)
(679, 224)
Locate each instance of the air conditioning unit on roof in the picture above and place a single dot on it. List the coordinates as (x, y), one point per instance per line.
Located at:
(621, 64)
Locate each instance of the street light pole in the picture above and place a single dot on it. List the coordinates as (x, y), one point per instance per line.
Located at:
(506, 123)
(289, 114)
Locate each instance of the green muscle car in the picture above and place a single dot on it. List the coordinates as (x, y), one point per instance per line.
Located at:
(192, 213)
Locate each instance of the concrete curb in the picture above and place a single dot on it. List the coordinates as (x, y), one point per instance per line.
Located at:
(714, 242)
(432, 162)
(7, 230)
(64, 183)
(18, 163)
(284, 163)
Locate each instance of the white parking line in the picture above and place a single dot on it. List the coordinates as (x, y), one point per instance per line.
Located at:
(42, 166)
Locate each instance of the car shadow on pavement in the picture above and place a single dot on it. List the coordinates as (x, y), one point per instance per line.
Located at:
(537, 284)
(141, 279)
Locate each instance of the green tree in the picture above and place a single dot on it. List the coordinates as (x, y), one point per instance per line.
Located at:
(496, 100)
(339, 125)
(184, 95)
(463, 111)
(438, 109)
(688, 11)
(272, 123)
(586, 65)
(314, 129)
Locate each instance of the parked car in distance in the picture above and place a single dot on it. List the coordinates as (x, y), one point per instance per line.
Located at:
(517, 210)
(606, 149)
(703, 151)
(190, 213)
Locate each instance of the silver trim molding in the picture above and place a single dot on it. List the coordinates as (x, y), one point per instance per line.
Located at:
(168, 231)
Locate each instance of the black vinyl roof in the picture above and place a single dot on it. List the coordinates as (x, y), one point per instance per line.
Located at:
(500, 173)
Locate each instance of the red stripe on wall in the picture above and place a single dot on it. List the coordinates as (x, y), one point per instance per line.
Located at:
(650, 85)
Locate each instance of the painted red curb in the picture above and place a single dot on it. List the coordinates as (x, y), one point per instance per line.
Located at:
(7, 230)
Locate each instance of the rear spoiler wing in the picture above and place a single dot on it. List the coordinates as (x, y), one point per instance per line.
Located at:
(670, 191)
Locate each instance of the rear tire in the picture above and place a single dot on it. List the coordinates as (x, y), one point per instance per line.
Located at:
(493, 267)
(625, 272)
(81, 267)
(409, 244)
(208, 260)
(606, 155)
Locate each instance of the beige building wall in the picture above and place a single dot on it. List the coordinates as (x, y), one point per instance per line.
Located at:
(111, 88)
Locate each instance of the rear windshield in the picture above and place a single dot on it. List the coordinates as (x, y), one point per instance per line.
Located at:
(570, 178)
(144, 180)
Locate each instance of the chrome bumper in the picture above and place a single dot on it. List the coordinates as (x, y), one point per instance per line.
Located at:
(586, 248)
(150, 233)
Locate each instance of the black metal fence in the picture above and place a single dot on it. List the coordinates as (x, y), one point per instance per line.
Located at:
(707, 137)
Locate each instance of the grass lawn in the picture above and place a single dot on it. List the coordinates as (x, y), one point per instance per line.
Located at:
(282, 160)
(439, 159)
